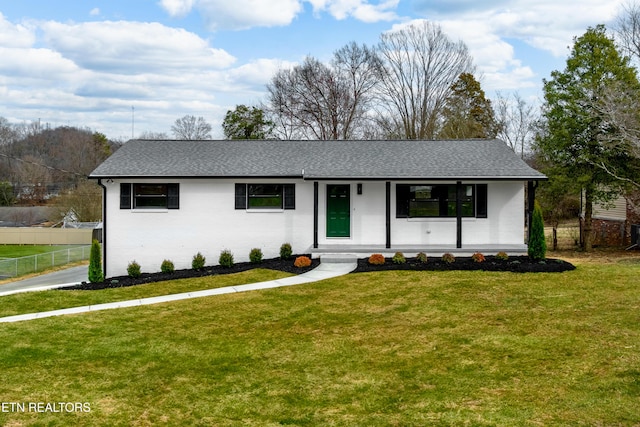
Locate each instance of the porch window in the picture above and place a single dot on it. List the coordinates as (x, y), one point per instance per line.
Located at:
(149, 196)
(440, 200)
(265, 196)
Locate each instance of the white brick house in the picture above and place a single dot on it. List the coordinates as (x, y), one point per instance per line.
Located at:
(172, 199)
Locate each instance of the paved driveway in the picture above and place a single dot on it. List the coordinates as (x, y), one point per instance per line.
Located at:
(60, 277)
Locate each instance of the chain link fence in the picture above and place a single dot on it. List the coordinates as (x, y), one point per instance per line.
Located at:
(14, 267)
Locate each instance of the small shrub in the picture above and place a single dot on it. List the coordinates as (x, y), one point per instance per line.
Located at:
(167, 266)
(134, 270)
(502, 256)
(376, 259)
(398, 258)
(302, 261)
(255, 256)
(226, 259)
(449, 258)
(422, 257)
(95, 263)
(477, 257)
(285, 251)
(537, 248)
(198, 261)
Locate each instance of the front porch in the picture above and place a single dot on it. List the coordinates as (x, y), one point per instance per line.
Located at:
(364, 251)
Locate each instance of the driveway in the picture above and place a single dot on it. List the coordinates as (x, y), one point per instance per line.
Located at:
(55, 279)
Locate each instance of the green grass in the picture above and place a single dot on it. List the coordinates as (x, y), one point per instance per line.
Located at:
(375, 349)
(19, 260)
(34, 302)
(17, 251)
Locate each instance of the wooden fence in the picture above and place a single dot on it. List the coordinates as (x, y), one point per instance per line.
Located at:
(45, 236)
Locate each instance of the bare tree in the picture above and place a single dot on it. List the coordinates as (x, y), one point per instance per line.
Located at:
(517, 121)
(153, 135)
(421, 64)
(627, 29)
(191, 128)
(319, 101)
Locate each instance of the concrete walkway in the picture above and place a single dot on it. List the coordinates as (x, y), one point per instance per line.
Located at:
(58, 279)
(330, 267)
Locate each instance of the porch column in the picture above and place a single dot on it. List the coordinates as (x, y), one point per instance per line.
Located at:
(388, 215)
(531, 200)
(459, 196)
(315, 214)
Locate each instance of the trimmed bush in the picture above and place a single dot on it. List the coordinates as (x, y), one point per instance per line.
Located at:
(134, 270)
(285, 251)
(398, 258)
(226, 259)
(537, 245)
(449, 258)
(422, 257)
(302, 261)
(167, 266)
(477, 257)
(198, 261)
(95, 263)
(502, 256)
(255, 256)
(376, 259)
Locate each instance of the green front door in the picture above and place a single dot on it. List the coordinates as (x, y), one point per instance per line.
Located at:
(338, 208)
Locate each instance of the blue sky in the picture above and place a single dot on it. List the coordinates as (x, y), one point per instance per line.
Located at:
(101, 63)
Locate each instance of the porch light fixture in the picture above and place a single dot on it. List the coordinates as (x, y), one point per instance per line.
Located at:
(359, 188)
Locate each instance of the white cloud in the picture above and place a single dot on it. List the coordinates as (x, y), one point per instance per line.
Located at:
(95, 11)
(12, 35)
(177, 7)
(244, 14)
(133, 47)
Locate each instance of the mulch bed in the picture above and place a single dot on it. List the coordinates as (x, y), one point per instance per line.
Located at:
(517, 264)
(521, 264)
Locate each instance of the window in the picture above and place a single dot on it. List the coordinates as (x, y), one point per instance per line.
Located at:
(265, 196)
(440, 200)
(149, 196)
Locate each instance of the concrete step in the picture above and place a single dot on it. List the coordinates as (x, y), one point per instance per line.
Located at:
(339, 258)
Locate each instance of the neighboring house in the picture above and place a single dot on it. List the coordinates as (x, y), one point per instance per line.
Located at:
(173, 199)
(612, 224)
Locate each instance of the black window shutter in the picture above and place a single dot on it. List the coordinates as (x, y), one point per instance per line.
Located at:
(403, 193)
(481, 200)
(173, 196)
(289, 196)
(241, 196)
(125, 196)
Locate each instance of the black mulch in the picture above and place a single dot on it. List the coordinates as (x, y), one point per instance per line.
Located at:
(516, 264)
(521, 264)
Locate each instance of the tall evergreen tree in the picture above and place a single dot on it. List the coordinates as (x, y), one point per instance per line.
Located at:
(574, 124)
(468, 113)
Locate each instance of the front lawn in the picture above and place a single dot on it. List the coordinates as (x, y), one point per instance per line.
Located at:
(375, 349)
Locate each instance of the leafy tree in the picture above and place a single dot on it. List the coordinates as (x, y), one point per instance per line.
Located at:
(191, 128)
(246, 123)
(574, 125)
(420, 65)
(6, 194)
(468, 113)
(95, 263)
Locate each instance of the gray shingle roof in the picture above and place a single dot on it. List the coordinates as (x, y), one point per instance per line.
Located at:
(488, 159)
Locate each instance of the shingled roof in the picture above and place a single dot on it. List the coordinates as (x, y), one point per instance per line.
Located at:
(441, 160)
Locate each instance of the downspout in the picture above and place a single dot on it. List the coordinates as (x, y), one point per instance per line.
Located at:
(104, 226)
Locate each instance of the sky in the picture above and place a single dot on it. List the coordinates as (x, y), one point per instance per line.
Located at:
(127, 67)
